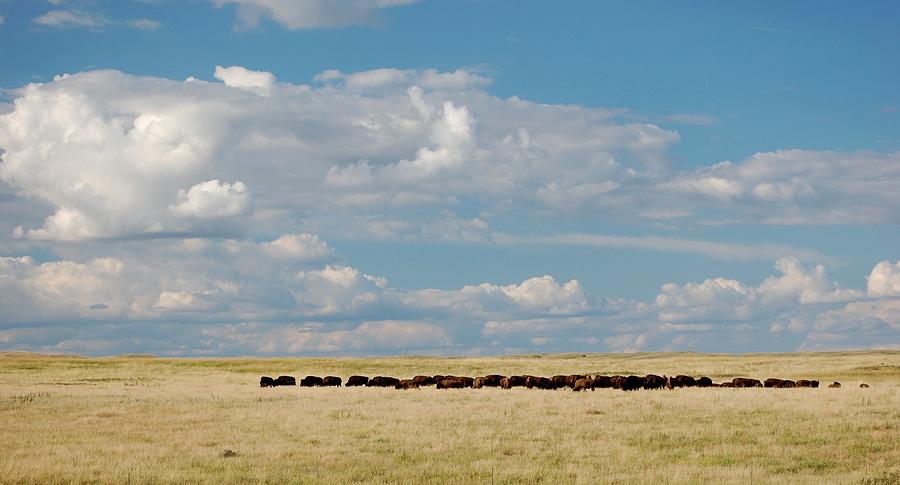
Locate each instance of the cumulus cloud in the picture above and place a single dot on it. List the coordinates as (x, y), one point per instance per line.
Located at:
(242, 78)
(290, 295)
(884, 280)
(212, 199)
(798, 187)
(310, 14)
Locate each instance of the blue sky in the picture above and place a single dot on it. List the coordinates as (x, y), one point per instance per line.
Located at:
(388, 176)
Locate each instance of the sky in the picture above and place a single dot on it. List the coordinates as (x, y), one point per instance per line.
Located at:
(448, 177)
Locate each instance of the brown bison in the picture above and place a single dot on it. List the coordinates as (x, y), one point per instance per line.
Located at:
(382, 381)
(558, 382)
(424, 381)
(806, 383)
(727, 384)
(492, 380)
(583, 385)
(455, 383)
(406, 384)
(266, 381)
(532, 382)
(355, 381)
(331, 381)
(286, 381)
(834, 385)
(864, 386)
(653, 381)
(311, 381)
(779, 383)
(704, 382)
(683, 381)
(629, 383)
(746, 382)
(603, 382)
(512, 381)
(572, 379)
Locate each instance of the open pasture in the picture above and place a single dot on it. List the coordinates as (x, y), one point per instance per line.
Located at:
(139, 419)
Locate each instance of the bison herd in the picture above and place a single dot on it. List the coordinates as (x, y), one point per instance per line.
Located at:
(575, 382)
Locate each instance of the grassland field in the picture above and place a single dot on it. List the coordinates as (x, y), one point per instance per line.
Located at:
(69, 419)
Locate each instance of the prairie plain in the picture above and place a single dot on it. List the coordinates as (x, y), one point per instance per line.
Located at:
(70, 419)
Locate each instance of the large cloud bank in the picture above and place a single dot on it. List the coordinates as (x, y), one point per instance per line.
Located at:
(161, 202)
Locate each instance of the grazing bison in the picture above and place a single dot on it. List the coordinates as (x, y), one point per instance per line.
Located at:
(558, 382)
(266, 381)
(406, 384)
(355, 381)
(653, 381)
(779, 383)
(683, 381)
(455, 383)
(512, 381)
(603, 382)
(382, 381)
(727, 384)
(834, 385)
(537, 381)
(864, 386)
(286, 381)
(572, 379)
(583, 385)
(629, 383)
(331, 381)
(478, 383)
(311, 381)
(746, 382)
(424, 380)
(704, 382)
(806, 383)
(492, 380)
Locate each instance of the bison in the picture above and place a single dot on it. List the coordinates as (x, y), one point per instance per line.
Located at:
(311, 381)
(806, 383)
(779, 383)
(492, 380)
(572, 379)
(653, 381)
(683, 381)
(331, 381)
(512, 381)
(424, 380)
(558, 382)
(864, 386)
(746, 382)
(629, 383)
(355, 381)
(455, 383)
(406, 384)
(834, 385)
(727, 384)
(382, 381)
(583, 384)
(603, 382)
(704, 382)
(286, 381)
(266, 381)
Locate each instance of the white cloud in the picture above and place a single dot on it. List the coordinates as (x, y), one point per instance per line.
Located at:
(259, 82)
(212, 199)
(66, 19)
(799, 187)
(309, 14)
(884, 280)
(145, 24)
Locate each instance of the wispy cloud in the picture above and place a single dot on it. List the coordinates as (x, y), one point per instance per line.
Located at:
(769, 29)
(70, 19)
(701, 119)
(145, 24)
(718, 250)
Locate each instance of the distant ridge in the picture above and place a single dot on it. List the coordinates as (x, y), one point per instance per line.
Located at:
(9, 354)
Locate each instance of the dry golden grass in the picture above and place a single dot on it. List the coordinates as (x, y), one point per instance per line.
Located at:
(115, 420)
